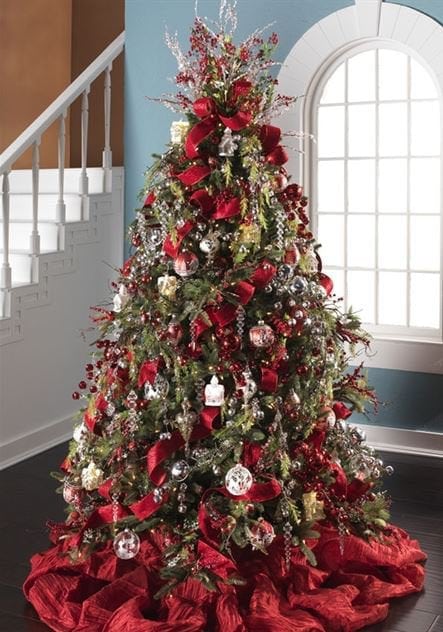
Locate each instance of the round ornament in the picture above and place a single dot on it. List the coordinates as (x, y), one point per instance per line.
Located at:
(261, 335)
(167, 286)
(261, 534)
(180, 470)
(186, 264)
(71, 493)
(174, 331)
(238, 480)
(209, 244)
(298, 285)
(126, 544)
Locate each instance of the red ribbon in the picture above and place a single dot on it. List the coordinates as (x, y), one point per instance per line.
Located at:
(105, 489)
(149, 199)
(171, 247)
(222, 315)
(147, 506)
(227, 208)
(200, 325)
(263, 274)
(341, 410)
(245, 291)
(215, 561)
(194, 174)
(148, 372)
(203, 200)
(270, 137)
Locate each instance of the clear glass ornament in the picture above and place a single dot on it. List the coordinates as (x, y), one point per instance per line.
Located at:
(238, 480)
(214, 393)
(261, 534)
(126, 544)
(209, 244)
(261, 335)
(186, 264)
(158, 390)
(71, 493)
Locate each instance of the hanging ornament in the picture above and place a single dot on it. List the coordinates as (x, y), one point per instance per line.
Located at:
(180, 470)
(210, 244)
(167, 286)
(280, 182)
(326, 419)
(126, 544)
(261, 534)
(121, 298)
(298, 285)
(186, 264)
(80, 432)
(185, 421)
(313, 507)
(214, 393)
(228, 144)
(158, 390)
(92, 477)
(72, 493)
(249, 387)
(285, 272)
(310, 260)
(179, 131)
(261, 335)
(174, 331)
(238, 480)
(249, 233)
(293, 398)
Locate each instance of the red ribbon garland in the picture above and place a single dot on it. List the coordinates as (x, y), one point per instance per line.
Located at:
(194, 174)
(171, 247)
(270, 137)
(263, 274)
(269, 380)
(148, 372)
(210, 558)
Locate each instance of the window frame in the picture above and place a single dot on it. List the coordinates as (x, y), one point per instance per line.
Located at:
(378, 331)
(323, 47)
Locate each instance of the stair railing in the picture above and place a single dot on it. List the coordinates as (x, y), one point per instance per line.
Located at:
(31, 137)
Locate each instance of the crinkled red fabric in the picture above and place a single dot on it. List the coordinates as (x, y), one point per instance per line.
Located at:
(348, 590)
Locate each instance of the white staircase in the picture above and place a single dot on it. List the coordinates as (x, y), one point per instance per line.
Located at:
(61, 237)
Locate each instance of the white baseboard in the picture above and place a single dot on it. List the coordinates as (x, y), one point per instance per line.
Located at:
(26, 445)
(404, 441)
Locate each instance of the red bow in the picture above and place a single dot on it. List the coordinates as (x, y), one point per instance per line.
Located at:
(270, 138)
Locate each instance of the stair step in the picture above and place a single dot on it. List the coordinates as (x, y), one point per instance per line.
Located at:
(20, 236)
(20, 180)
(20, 206)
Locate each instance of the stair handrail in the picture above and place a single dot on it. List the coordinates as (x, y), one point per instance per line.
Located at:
(35, 130)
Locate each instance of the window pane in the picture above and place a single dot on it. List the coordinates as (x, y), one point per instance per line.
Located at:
(425, 185)
(361, 77)
(331, 237)
(331, 131)
(425, 128)
(392, 129)
(338, 279)
(361, 186)
(331, 194)
(361, 234)
(392, 298)
(392, 75)
(392, 185)
(361, 125)
(425, 300)
(392, 242)
(361, 294)
(425, 243)
(422, 86)
(334, 90)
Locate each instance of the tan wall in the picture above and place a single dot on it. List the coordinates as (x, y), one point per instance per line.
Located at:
(35, 66)
(44, 45)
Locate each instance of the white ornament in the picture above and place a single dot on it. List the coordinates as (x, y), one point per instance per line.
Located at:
(80, 432)
(92, 477)
(159, 389)
(214, 393)
(121, 298)
(180, 470)
(238, 480)
(126, 544)
(167, 286)
(179, 130)
(227, 145)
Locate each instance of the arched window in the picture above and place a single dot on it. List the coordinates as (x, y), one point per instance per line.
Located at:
(371, 80)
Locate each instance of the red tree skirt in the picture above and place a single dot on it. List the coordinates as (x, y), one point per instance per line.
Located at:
(345, 592)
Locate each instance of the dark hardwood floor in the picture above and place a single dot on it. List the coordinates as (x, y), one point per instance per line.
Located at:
(27, 500)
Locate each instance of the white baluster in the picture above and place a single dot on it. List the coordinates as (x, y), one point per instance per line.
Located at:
(5, 277)
(107, 153)
(60, 208)
(35, 237)
(84, 140)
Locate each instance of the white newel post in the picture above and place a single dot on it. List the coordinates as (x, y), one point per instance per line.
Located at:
(61, 206)
(107, 153)
(84, 146)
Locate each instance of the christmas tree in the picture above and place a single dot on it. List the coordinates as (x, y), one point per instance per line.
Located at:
(214, 465)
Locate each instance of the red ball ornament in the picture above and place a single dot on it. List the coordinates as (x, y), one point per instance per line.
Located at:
(302, 369)
(261, 534)
(186, 264)
(280, 182)
(174, 332)
(194, 350)
(326, 283)
(75, 395)
(89, 368)
(82, 385)
(93, 389)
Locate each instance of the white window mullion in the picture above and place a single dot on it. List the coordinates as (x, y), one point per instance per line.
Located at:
(408, 200)
(377, 169)
(346, 200)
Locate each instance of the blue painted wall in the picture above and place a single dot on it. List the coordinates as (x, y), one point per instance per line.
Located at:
(413, 400)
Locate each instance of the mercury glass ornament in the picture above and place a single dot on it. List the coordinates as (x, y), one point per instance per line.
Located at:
(261, 335)
(285, 272)
(126, 544)
(214, 393)
(180, 470)
(186, 264)
(158, 390)
(238, 480)
(209, 244)
(298, 285)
